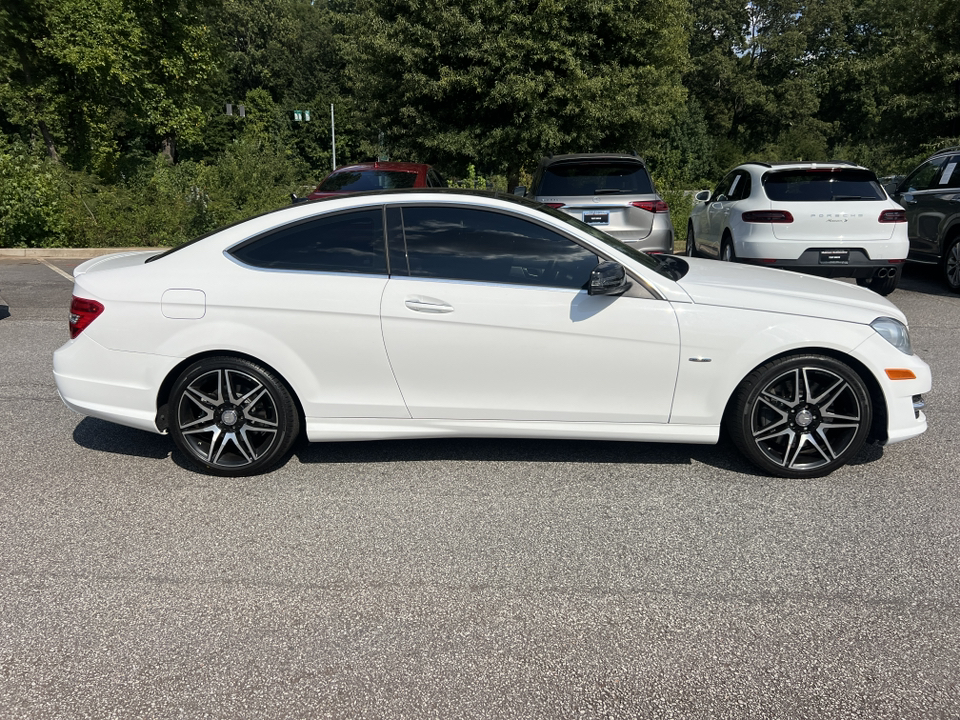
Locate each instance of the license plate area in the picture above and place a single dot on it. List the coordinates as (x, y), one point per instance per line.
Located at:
(596, 218)
(834, 257)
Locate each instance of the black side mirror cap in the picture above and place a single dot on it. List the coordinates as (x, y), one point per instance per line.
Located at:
(608, 278)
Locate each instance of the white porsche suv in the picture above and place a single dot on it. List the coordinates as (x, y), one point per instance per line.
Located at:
(831, 219)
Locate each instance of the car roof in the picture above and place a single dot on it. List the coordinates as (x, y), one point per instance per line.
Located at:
(590, 157)
(378, 165)
(945, 151)
(804, 164)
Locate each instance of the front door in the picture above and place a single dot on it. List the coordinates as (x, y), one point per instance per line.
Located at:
(493, 323)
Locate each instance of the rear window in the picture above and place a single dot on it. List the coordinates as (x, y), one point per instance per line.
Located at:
(822, 185)
(359, 180)
(596, 178)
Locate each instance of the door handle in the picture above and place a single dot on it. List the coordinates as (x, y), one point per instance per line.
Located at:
(432, 306)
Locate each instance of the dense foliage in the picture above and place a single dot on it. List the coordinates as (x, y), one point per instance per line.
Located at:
(113, 123)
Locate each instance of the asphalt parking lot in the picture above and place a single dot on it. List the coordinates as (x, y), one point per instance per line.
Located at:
(468, 578)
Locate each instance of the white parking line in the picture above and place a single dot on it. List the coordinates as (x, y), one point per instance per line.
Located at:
(68, 276)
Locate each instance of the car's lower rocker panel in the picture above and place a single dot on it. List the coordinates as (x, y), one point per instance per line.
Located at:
(348, 429)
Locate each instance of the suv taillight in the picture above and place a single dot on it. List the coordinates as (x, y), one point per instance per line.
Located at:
(82, 313)
(893, 216)
(653, 206)
(768, 216)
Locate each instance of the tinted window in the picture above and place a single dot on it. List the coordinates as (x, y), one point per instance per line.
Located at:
(740, 188)
(360, 180)
(950, 176)
(822, 185)
(468, 244)
(348, 242)
(922, 178)
(595, 178)
(723, 189)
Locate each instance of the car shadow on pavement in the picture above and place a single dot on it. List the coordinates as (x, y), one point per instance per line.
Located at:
(721, 456)
(104, 436)
(925, 279)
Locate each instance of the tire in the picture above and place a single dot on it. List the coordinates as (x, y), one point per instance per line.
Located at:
(881, 286)
(801, 416)
(232, 417)
(727, 253)
(691, 249)
(951, 265)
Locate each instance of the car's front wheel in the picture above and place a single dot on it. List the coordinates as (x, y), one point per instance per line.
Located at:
(951, 265)
(802, 416)
(232, 417)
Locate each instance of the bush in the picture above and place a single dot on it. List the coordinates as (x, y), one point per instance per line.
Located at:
(32, 212)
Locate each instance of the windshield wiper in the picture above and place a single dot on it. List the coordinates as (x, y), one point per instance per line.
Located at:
(852, 197)
(607, 191)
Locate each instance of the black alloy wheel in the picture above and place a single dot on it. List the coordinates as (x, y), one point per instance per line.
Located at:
(232, 417)
(951, 265)
(802, 416)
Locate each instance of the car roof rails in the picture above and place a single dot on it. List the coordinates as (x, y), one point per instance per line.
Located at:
(843, 162)
(955, 148)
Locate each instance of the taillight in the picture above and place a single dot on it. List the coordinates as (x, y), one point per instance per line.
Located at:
(554, 205)
(768, 216)
(82, 313)
(893, 216)
(653, 206)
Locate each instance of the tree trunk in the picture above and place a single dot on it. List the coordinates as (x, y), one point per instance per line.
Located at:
(169, 147)
(48, 141)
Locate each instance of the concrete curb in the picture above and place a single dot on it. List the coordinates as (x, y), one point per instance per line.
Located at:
(70, 253)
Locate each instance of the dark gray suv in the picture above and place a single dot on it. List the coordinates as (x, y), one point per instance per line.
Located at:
(611, 191)
(931, 197)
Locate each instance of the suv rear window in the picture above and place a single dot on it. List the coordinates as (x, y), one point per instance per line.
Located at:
(816, 185)
(595, 178)
(356, 181)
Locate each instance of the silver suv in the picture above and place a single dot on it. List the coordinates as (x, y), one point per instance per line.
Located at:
(611, 191)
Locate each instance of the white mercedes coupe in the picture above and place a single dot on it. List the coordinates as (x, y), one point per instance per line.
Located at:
(426, 313)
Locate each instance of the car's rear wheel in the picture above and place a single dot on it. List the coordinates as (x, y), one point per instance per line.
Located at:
(727, 253)
(881, 285)
(691, 249)
(802, 416)
(232, 417)
(951, 264)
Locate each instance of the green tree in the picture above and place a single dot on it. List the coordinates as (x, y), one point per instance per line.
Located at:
(501, 82)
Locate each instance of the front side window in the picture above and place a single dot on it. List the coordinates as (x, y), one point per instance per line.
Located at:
(360, 180)
(351, 242)
(923, 177)
(950, 177)
(822, 185)
(482, 245)
(596, 178)
(723, 189)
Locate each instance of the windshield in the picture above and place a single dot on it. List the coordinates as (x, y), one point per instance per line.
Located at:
(360, 180)
(660, 264)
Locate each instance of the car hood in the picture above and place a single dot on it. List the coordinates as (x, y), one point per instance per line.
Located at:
(710, 282)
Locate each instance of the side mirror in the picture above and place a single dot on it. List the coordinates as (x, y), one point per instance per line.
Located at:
(702, 196)
(608, 278)
(520, 190)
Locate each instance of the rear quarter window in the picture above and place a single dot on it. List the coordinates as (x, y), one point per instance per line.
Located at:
(822, 185)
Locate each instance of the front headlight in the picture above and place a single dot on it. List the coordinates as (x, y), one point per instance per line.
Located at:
(894, 332)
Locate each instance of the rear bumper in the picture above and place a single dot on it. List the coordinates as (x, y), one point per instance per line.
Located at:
(116, 386)
(856, 263)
